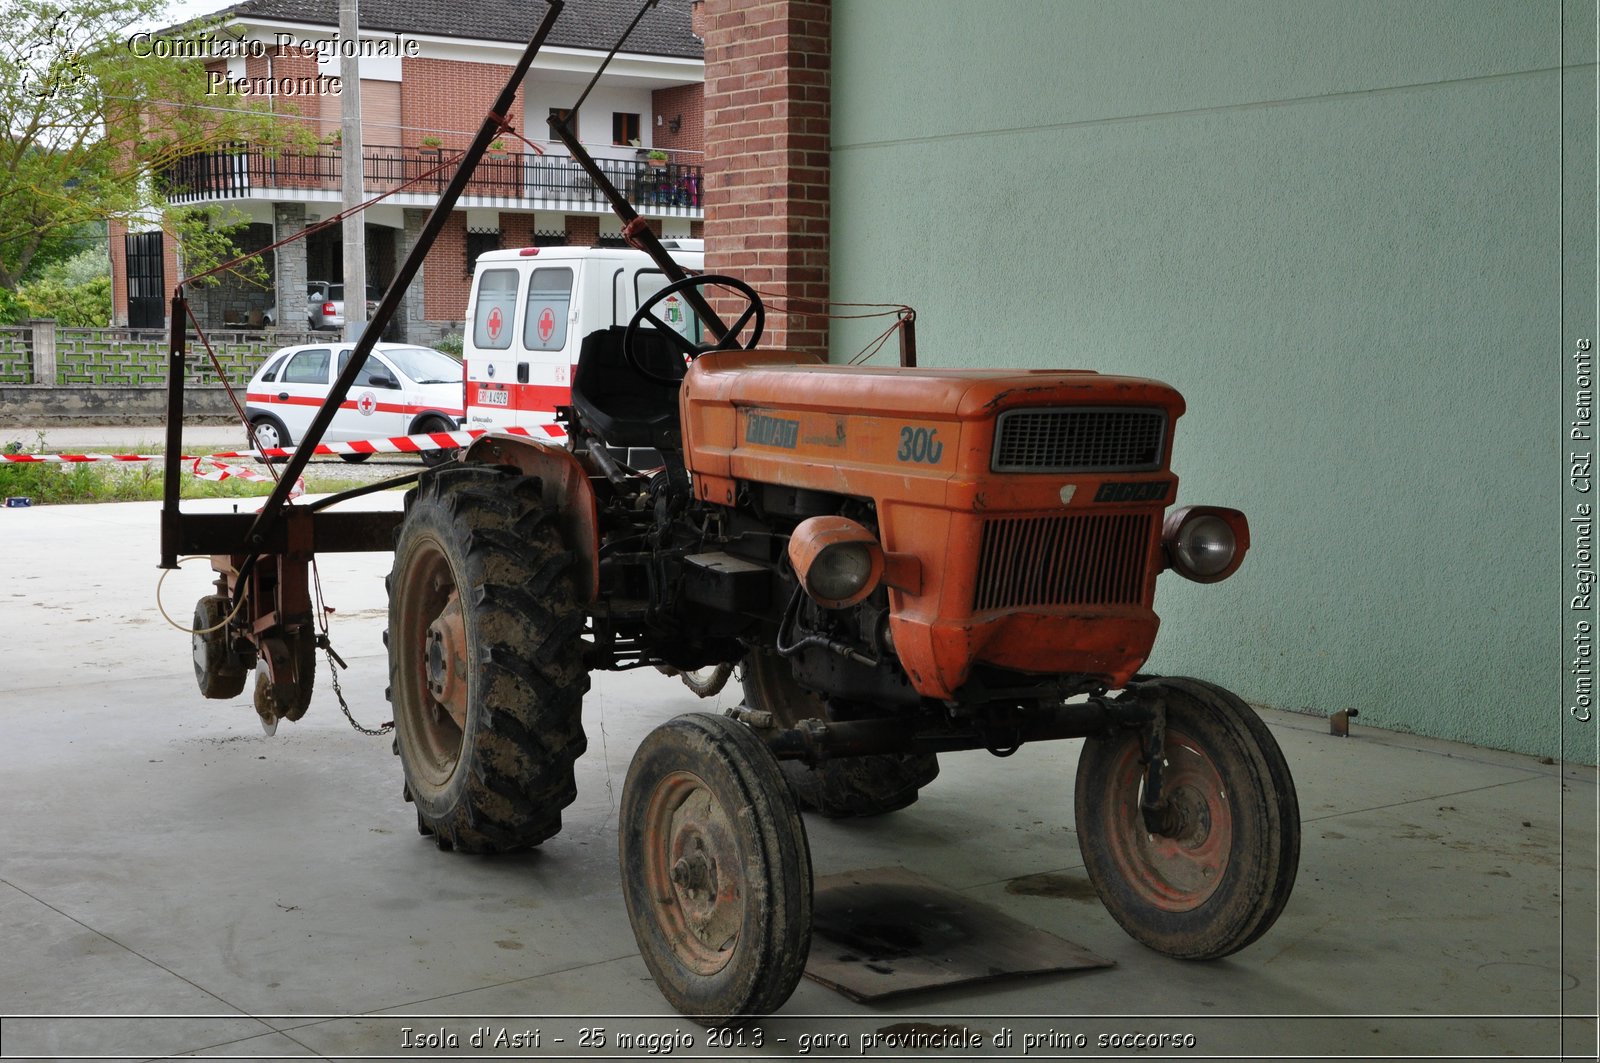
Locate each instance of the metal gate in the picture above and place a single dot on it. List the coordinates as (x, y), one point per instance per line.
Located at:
(146, 282)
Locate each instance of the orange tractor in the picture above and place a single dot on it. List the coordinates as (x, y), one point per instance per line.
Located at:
(904, 562)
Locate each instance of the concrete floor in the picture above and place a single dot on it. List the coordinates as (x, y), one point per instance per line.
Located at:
(174, 882)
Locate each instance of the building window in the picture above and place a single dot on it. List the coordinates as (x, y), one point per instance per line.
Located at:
(479, 241)
(624, 128)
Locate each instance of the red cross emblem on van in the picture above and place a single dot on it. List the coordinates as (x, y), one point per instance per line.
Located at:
(547, 325)
(495, 322)
(366, 403)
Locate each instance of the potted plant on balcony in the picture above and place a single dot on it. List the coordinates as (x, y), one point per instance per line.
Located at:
(430, 145)
(657, 158)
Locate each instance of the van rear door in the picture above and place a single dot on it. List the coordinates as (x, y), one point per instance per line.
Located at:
(548, 341)
(491, 358)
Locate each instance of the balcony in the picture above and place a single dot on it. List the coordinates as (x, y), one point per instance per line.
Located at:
(527, 181)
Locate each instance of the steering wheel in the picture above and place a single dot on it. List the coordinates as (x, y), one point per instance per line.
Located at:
(691, 350)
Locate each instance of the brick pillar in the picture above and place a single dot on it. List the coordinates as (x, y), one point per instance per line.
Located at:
(287, 220)
(411, 303)
(583, 230)
(118, 232)
(767, 158)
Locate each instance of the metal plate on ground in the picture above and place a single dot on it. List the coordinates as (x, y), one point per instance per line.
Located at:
(887, 931)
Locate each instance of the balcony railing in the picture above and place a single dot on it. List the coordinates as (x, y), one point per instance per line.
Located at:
(243, 171)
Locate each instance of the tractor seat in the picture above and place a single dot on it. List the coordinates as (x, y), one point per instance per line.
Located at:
(619, 405)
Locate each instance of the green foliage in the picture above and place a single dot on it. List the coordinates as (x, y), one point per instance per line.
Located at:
(84, 267)
(72, 306)
(13, 309)
(451, 345)
(88, 122)
(75, 291)
(207, 236)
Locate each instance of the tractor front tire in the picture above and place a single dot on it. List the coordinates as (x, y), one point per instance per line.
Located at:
(1219, 877)
(485, 660)
(716, 872)
(838, 789)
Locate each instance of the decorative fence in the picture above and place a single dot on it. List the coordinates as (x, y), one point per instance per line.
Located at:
(16, 357)
(40, 353)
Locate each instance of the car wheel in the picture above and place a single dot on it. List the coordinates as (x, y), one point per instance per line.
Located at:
(430, 458)
(268, 433)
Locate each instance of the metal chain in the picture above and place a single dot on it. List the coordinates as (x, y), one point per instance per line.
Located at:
(333, 671)
(335, 661)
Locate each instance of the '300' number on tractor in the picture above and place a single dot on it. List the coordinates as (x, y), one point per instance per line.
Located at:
(920, 444)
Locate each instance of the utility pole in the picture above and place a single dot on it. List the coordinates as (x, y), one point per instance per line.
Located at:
(355, 231)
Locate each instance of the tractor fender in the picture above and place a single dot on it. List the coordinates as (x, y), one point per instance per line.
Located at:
(567, 493)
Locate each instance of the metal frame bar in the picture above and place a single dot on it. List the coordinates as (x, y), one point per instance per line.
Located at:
(261, 530)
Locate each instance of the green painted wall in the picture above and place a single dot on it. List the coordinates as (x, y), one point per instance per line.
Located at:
(1336, 228)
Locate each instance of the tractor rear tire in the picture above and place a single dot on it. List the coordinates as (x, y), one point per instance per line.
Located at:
(1222, 875)
(838, 789)
(484, 614)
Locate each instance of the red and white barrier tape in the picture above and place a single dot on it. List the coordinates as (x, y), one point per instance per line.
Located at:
(74, 458)
(406, 444)
(393, 445)
(215, 470)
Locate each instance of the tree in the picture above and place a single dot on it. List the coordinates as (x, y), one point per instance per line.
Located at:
(91, 115)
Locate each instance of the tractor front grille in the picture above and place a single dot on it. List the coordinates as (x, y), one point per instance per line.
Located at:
(1097, 559)
(1079, 439)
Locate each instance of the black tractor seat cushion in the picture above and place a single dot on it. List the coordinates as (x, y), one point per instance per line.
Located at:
(616, 402)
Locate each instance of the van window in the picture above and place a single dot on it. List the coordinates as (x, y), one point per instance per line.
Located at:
(544, 328)
(674, 312)
(497, 305)
(308, 367)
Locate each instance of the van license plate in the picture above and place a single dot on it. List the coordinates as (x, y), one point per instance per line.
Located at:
(494, 398)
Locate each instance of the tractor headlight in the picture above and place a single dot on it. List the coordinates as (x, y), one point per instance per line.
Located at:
(1205, 546)
(1204, 543)
(839, 562)
(840, 571)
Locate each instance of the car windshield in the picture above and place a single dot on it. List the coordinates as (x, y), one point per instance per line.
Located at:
(425, 365)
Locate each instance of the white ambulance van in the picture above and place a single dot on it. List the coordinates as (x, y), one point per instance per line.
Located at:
(529, 311)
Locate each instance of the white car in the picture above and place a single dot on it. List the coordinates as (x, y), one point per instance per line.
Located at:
(402, 390)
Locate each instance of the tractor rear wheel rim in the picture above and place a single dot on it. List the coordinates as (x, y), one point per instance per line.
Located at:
(1179, 870)
(447, 661)
(432, 621)
(691, 867)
